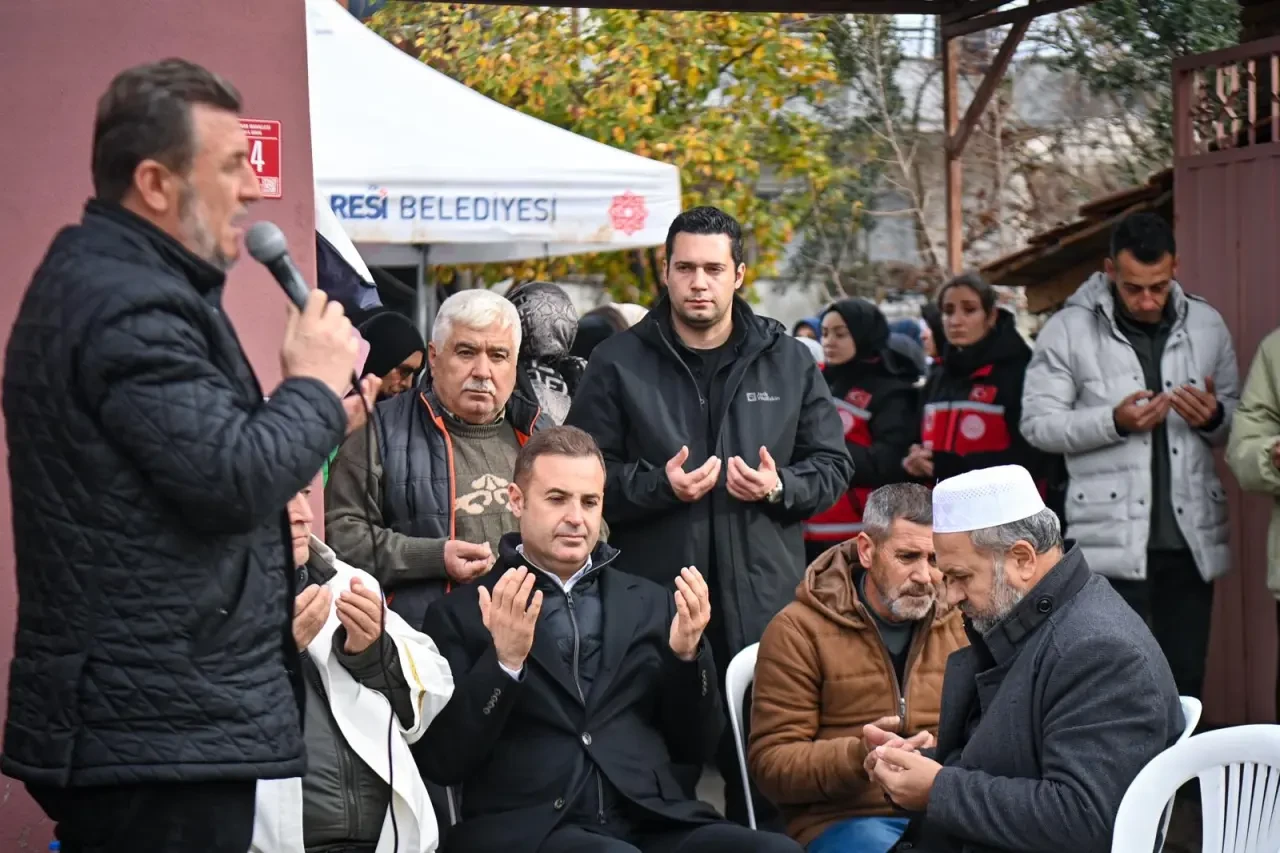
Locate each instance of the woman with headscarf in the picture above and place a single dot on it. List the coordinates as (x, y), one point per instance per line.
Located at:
(396, 351)
(396, 354)
(973, 402)
(548, 373)
(873, 387)
(904, 339)
(808, 327)
(603, 322)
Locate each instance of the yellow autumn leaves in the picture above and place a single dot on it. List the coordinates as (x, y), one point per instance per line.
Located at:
(721, 96)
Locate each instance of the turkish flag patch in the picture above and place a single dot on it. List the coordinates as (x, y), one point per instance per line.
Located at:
(858, 398)
(983, 394)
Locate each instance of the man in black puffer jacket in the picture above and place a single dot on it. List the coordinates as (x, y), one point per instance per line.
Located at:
(155, 677)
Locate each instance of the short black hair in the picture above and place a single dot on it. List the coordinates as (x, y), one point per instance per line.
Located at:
(554, 441)
(986, 293)
(707, 220)
(145, 114)
(1146, 236)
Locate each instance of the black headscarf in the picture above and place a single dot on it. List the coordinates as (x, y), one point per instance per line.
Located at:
(870, 332)
(392, 338)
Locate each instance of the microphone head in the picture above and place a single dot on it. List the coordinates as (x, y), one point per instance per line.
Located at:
(265, 242)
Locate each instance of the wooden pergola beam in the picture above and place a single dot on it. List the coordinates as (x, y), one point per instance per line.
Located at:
(970, 9)
(995, 74)
(1026, 13)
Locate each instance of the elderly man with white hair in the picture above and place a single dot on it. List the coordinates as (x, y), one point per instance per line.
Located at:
(432, 484)
(1061, 698)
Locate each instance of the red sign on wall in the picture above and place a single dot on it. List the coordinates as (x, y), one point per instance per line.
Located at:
(264, 154)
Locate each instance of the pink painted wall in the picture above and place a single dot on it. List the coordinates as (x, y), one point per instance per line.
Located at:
(56, 57)
(1226, 204)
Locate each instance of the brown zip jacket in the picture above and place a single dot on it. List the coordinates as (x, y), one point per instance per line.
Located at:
(822, 674)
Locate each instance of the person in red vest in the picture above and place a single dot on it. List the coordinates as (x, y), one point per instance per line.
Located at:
(971, 406)
(873, 387)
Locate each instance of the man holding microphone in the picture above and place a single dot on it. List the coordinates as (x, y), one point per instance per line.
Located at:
(155, 677)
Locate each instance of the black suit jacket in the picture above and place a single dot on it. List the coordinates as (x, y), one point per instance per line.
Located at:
(522, 750)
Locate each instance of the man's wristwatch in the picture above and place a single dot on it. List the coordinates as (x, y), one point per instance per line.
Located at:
(775, 494)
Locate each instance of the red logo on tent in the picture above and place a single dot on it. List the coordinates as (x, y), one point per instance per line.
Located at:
(628, 213)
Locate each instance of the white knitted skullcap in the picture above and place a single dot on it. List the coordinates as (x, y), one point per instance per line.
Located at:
(985, 498)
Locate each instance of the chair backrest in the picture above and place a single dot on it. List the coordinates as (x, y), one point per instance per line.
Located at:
(1239, 773)
(1191, 709)
(738, 678)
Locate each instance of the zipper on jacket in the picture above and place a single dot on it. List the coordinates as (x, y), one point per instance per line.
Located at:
(577, 682)
(346, 768)
(918, 639)
(702, 402)
(899, 695)
(573, 621)
(900, 687)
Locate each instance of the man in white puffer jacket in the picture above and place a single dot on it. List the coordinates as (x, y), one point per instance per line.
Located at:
(1135, 382)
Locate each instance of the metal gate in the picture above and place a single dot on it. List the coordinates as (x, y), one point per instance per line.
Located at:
(1227, 209)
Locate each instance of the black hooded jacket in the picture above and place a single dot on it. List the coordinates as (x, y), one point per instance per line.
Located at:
(549, 373)
(972, 406)
(879, 409)
(641, 403)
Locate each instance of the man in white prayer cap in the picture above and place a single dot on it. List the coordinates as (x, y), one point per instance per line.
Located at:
(1061, 698)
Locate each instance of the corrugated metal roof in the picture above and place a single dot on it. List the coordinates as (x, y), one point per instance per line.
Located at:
(1056, 261)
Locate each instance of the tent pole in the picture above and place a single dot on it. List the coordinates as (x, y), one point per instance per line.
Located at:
(425, 296)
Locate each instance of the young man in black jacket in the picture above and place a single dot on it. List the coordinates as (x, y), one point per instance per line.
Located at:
(155, 677)
(720, 438)
(578, 689)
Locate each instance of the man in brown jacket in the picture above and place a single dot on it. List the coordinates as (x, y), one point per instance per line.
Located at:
(854, 662)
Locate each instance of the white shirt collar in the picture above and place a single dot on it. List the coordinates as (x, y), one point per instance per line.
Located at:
(565, 585)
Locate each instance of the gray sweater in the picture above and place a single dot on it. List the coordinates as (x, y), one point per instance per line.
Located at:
(1046, 719)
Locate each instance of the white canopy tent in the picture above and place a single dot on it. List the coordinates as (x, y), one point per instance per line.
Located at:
(407, 157)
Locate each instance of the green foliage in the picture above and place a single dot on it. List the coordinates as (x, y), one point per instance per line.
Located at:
(866, 55)
(727, 98)
(1125, 49)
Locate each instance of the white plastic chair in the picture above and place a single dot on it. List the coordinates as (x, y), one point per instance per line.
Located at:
(742, 671)
(1239, 773)
(1191, 709)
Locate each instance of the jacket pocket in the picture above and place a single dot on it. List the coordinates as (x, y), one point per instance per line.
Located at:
(1215, 505)
(1098, 501)
(227, 612)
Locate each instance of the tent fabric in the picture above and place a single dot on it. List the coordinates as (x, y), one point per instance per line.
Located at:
(414, 157)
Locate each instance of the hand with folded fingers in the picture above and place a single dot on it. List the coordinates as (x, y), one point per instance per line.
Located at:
(882, 733)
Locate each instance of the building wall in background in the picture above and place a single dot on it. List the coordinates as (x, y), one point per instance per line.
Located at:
(56, 58)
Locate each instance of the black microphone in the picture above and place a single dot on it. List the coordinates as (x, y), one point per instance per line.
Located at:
(266, 243)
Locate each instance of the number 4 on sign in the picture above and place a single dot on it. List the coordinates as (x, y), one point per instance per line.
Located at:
(255, 156)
